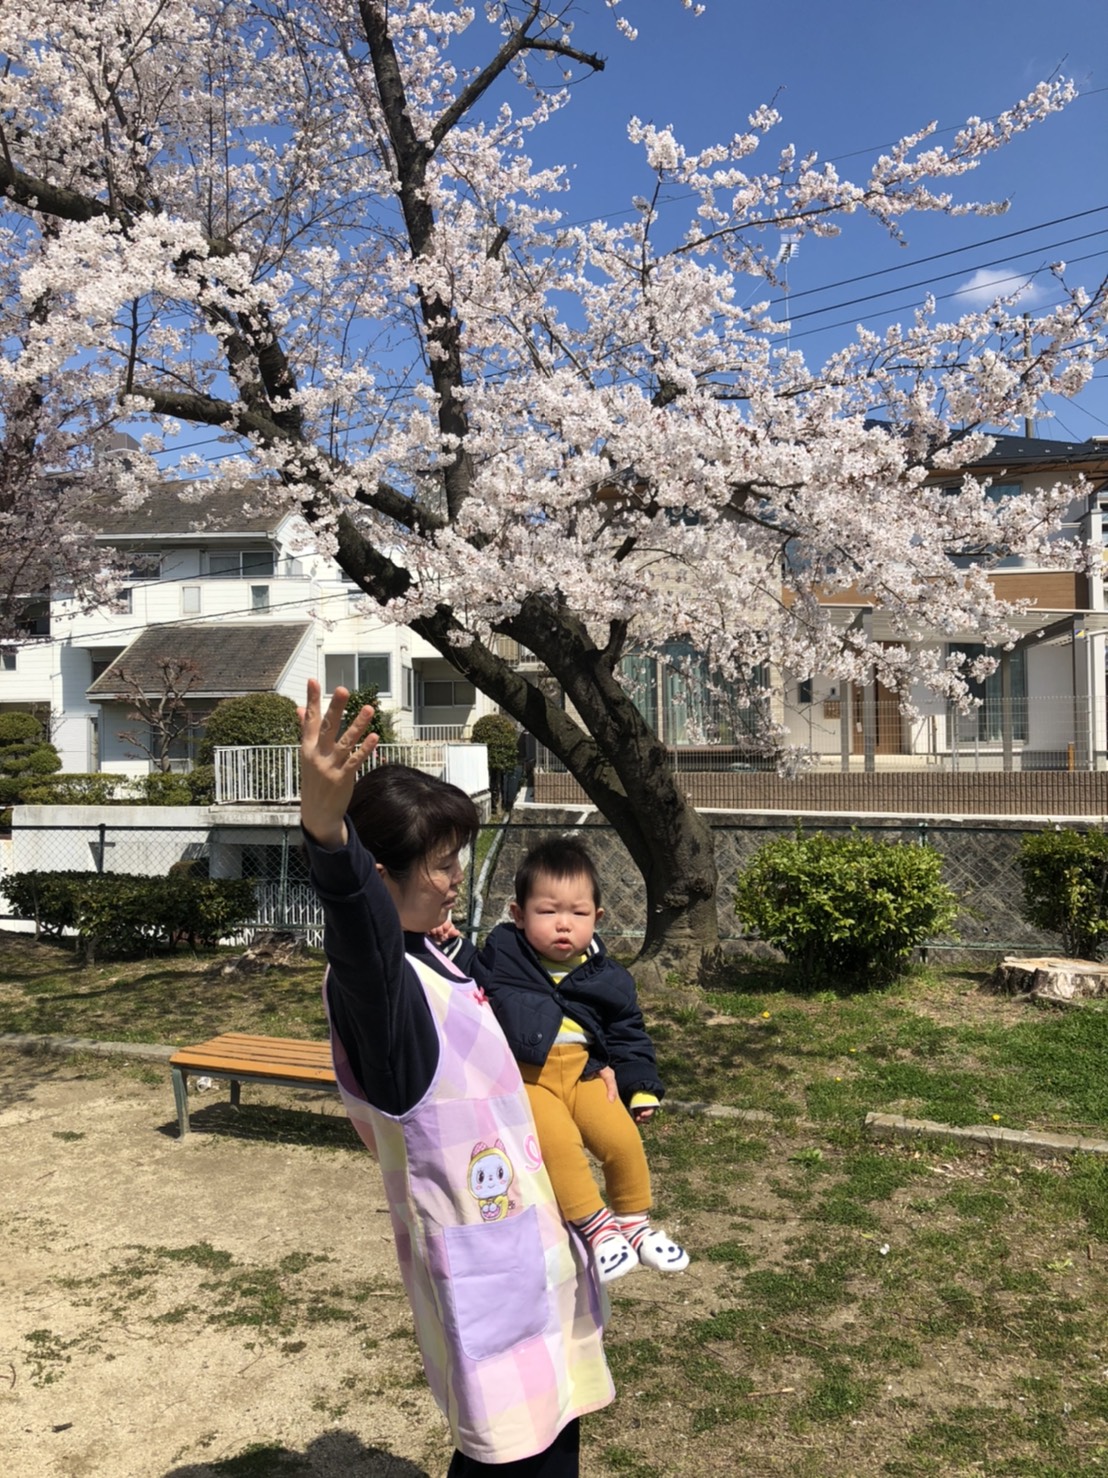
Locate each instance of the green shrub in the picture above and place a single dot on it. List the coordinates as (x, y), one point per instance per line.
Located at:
(849, 908)
(163, 789)
(29, 757)
(26, 758)
(201, 785)
(1065, 888)
(383, 724)
(253, 718)
(77, 790)
(16, 728)
(115, 914)
(501, 737)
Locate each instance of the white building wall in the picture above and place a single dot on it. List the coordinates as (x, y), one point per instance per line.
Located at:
(305, 587)
(1051, 709)
(30, 681)
(75, 716)
(67, 838)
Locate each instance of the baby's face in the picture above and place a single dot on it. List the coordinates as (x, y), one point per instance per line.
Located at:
(560, 917)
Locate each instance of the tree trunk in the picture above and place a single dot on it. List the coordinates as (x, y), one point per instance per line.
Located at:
(619, 762)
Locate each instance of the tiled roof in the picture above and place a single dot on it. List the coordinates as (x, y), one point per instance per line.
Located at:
(229, 508)
(1015, 450)
(233, 659)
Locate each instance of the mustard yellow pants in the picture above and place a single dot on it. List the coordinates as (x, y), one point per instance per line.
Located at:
(572, 1115)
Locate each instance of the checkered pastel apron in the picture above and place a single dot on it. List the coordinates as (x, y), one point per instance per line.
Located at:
(507, 1312)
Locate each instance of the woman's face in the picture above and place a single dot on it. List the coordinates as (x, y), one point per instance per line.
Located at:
(426, 896)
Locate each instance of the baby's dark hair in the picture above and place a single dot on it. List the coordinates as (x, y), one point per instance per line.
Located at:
(402, 815)
(559, 858)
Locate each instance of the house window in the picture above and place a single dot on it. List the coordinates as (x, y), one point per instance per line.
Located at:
(679, 697)
(259, 597)
(190, 600)
(407, 687)
(241, 564)
(145, 567)
(996, 492)
(124, 601)
(184, 744)
(358, 670)
(442, 693)
(34, 618)
(100, 665)
(7, 660)
(987, 722)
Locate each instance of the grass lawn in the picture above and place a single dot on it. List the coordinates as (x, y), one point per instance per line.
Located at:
(937, 1045)
(853, 1308)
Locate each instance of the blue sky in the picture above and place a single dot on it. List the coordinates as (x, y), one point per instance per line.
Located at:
(849, 78)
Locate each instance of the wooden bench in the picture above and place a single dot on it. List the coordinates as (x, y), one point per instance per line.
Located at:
(245, 1059)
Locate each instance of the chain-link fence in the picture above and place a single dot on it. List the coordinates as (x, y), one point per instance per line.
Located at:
(980, 865)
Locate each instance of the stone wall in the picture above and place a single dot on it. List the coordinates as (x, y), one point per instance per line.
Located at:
(979, 864)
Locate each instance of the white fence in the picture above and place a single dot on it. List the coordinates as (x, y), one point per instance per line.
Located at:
(269, 774)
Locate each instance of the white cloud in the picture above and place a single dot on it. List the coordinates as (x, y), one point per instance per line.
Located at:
(989, 283)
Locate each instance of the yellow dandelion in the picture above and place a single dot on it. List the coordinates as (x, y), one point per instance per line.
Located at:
(765, 1015)
(996, 1118)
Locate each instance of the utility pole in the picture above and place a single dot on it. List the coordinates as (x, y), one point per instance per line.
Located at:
(1028, 422)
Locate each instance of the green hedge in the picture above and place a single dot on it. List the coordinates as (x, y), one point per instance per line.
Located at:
(73, 789)
(117, 914)
(845, 909)
(1065, 888)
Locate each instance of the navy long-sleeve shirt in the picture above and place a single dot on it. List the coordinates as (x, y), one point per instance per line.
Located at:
(375, 998)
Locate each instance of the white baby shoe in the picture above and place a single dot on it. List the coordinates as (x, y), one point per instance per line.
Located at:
(656, 1250)
(614, 1256)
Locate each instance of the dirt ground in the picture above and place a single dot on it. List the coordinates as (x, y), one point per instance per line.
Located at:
(105, 1367)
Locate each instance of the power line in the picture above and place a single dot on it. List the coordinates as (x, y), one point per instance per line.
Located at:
(939, 297)
(945, 276)
(952, 252)
(200, 620)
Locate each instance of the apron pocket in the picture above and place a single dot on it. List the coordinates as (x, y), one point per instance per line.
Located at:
(495, 1287)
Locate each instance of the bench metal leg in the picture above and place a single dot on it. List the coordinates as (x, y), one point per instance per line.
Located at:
(181, 1098)
(236, 1089)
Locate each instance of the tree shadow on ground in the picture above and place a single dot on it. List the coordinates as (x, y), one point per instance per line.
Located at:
(23, 1071)
(332, 1455)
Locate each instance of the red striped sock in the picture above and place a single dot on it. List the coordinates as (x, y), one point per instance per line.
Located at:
(598, 1227)
(634, 1226)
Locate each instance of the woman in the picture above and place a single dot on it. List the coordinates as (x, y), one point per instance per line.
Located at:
(507, 1313)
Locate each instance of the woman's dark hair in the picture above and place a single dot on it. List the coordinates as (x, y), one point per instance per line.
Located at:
(401, 815)
(558, 858)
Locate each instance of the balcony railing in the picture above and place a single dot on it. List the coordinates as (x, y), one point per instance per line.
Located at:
(269, 774)
(440, 733)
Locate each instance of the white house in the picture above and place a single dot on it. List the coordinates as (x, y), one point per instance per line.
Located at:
(239, 593)
(1045, 705)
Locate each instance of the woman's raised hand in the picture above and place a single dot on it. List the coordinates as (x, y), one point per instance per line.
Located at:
(329, 763)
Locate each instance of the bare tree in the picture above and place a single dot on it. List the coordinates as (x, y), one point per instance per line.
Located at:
(165, 712)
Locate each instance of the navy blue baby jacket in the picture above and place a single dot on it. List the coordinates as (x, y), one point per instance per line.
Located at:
(599, 994)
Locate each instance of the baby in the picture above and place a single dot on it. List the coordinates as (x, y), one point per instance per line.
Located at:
(572, 1019)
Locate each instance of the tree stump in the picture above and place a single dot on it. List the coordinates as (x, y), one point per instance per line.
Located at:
(271, 948)
(1051, 978)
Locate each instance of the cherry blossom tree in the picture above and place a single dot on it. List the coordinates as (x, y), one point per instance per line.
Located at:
(316, 228)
